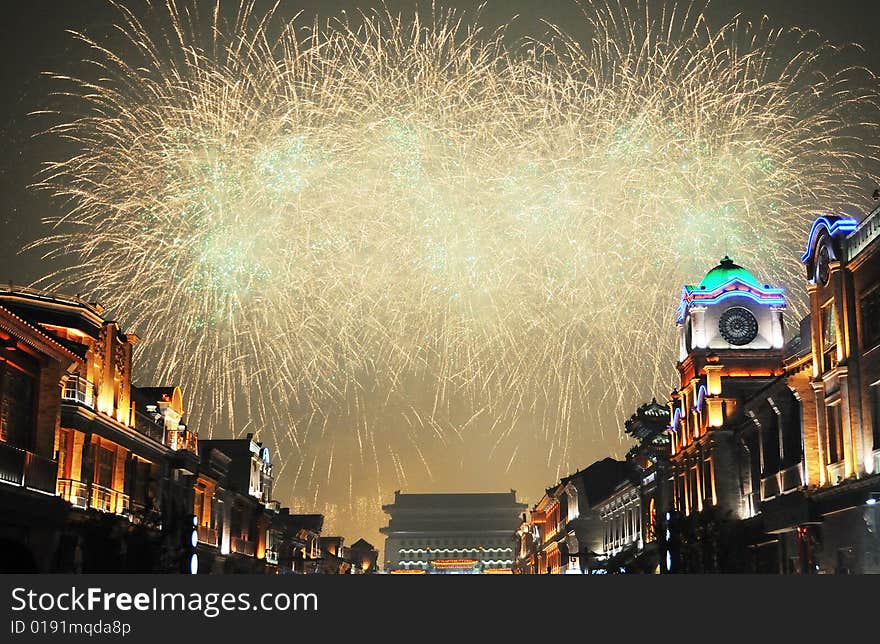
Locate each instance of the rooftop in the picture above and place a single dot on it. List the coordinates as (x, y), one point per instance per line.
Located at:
(459, 499)
(725, 272)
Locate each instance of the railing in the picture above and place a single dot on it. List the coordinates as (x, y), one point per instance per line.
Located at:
(148, 427)
(274, 506)
(867, 231)
(26, 469)
(836, 472)
(11, 464)
(242, 547)
(769, 487)
(79, 390)
(40, 473)
(106, 499)
(207, 535)
(183, 439)
(74, 492)
(271, 556)
(791, 478)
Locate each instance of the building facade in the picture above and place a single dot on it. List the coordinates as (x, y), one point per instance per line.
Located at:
(32, 364)
(119, 467)
(564, 532)
(100, 475)
(767, 456)
(730, 347)
(822, 510)
(804, 448)
(451, 533)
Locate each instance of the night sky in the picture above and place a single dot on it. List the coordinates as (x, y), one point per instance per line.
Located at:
(34, 41)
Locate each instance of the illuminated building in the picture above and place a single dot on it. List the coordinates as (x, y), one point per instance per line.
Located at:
(633, 514)
(770, 458)
(451, 533)
(31, 366)
(551, 546)
(563, 532)
(118, 465)
(622, 521)
(364, 557)
(297, 538)
(245, 541)
(730, 347)
(819, 497)
(338, 559)
(526, 541)
(784, 439)
(209, 508)
(104, 476)
(333, 560)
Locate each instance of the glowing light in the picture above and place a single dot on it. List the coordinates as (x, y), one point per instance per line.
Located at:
(385, 234)
(836, 227)
(676, 418)
(734, 288)
(702, 392)
(461, 564)
(716, 413)
(713, 378)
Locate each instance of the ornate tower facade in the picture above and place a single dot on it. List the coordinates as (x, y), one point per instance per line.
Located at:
(842, 278)
(730, 346)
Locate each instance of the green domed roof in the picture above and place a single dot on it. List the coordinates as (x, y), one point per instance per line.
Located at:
(724, 272)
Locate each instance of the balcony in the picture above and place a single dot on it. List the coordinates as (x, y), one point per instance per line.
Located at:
(791, 478)
(271, 556)
(242, 547)
(26, 469)
(100, 498)
(183, 439)
(876, 461)
(836, 472)
(74, 492)
(79, 390)
(109, 500)
(207, 536)
(273, 506)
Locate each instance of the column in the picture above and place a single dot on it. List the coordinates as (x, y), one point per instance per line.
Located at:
(853, 442)
(821, 429)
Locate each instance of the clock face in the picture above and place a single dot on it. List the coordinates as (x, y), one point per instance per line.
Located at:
(738, 326)
(822, 261)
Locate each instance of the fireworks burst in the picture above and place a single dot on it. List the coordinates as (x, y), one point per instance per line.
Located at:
(378, 240)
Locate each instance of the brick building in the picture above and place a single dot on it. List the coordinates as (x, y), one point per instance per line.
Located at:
(100, 475)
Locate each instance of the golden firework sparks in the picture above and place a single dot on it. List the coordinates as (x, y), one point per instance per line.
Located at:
(375, 238)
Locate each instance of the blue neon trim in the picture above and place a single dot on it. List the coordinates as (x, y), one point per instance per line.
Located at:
(833, 227)
(775, 299)
(676, 418)
(702, 392)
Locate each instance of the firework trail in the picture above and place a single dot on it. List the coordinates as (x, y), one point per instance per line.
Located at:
(385, 238)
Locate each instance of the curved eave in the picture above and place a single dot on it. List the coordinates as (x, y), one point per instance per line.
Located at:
(35, 337)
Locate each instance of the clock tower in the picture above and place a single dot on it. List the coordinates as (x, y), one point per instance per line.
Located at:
(731, 339)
